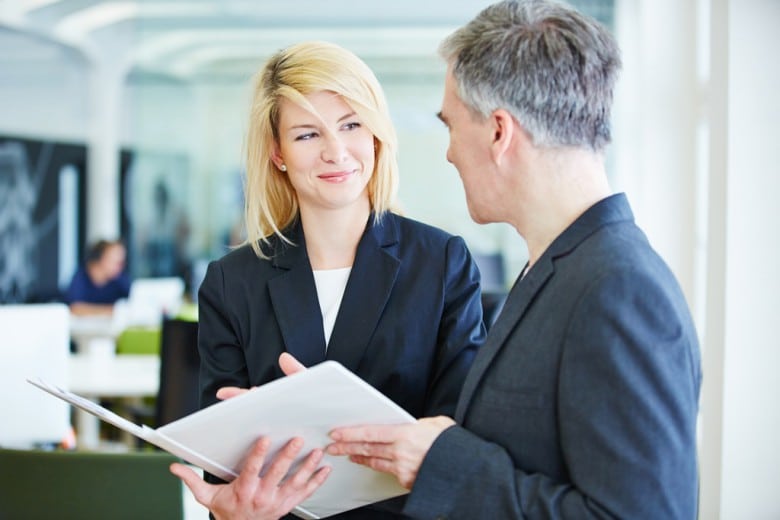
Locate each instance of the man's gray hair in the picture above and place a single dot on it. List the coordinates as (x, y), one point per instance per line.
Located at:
(551, 67)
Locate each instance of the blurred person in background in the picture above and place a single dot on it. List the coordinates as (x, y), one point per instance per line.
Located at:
(101, 281)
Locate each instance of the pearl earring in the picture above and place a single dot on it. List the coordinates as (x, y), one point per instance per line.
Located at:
(283, 167)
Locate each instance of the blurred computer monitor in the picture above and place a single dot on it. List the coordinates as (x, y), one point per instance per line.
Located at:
(34, 343)
(152, 298)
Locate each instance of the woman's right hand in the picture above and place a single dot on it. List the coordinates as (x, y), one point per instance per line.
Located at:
(251, 496)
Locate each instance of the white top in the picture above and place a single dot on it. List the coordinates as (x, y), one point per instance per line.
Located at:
(330, 290)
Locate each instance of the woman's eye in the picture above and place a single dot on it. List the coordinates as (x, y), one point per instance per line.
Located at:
(306, 137)
(351, 126)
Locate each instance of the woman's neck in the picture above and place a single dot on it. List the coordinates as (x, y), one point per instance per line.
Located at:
(332, 237)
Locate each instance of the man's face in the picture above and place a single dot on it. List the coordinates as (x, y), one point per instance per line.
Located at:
(468, 151)
(113, 260)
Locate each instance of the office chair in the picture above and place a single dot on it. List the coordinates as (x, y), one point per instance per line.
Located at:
(36, 484)
(179, 369)
(493, 282)
(492, 303)
(491, 270)
(139, 340)
(178, 392)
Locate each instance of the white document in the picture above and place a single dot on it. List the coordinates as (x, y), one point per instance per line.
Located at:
(307, 404)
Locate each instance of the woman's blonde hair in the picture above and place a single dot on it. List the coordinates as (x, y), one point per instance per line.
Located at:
(292, 73)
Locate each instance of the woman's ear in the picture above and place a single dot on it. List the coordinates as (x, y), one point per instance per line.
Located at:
(276, 156)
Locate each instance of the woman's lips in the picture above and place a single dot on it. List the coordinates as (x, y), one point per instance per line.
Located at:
(336, 176)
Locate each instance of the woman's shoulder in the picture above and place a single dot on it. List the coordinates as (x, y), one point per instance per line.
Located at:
(411, 227)
(237, 255)
(242, 258)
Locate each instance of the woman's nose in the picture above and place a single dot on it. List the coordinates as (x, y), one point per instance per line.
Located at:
(334, 149)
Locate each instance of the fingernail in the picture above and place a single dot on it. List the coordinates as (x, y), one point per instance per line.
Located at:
(335, 435)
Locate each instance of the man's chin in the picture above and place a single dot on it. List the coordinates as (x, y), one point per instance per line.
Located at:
(477, 218)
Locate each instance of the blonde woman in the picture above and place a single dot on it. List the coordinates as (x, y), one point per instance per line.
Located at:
(329, 270)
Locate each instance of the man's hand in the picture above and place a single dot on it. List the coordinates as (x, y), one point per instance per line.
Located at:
(395, 449)
(251, 497)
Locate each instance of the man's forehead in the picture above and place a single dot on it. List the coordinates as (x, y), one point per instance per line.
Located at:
(451, 101)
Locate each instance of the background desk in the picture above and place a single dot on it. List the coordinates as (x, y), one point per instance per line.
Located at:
(104, 376)
(94, 333)
(96, 377)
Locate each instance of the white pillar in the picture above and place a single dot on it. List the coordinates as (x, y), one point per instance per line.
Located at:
(713, 344)
(740, 458)
(656, 114)
(103, 160)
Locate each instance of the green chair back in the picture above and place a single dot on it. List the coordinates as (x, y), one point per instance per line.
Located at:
(139, 340)
(38, 484)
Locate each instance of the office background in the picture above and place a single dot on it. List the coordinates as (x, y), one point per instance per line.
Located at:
(135, 111)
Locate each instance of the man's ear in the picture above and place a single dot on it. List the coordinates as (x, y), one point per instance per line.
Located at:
(504, 127)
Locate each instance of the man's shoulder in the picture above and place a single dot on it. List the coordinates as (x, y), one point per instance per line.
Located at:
(79, 285)
(80, 280)
(621, 245)
(80, 274)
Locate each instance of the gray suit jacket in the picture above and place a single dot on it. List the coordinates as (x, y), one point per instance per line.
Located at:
(583, 401)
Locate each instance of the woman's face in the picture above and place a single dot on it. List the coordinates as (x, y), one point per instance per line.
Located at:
(329, 154)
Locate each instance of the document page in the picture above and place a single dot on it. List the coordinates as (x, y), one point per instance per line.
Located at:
(308, 405)
(89, 406)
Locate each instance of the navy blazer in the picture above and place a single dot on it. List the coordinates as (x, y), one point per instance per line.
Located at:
(410, 320)
(583, 401)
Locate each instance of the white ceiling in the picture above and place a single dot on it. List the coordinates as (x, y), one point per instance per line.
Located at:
(192, 40)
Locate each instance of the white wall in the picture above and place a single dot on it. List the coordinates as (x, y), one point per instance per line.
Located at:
(46, 96)
(430, 188)
(656, 111)
(741, 463)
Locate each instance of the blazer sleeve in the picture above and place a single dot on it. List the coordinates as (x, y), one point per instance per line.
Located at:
(627, 403)
(461, 331)
(222, 361)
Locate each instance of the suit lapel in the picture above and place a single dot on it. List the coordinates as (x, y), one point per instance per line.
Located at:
(368, 289)
(608, 211)
(294, 299)
(517, 302)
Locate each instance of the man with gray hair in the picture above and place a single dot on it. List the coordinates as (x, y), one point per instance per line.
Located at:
(583, 401)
